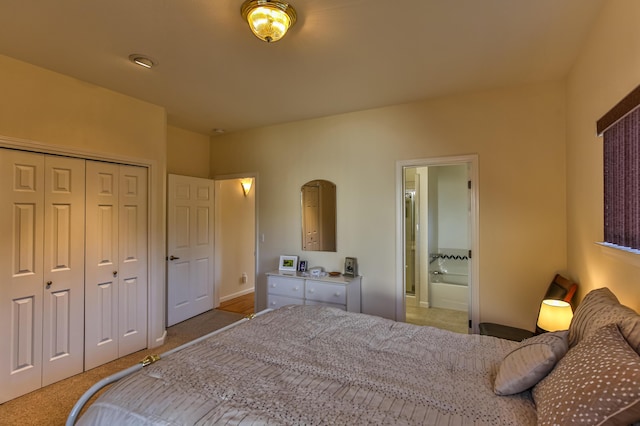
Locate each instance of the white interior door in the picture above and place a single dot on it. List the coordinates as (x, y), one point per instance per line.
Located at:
(63, 310)
(190, 247)
(116, 262)
(21, 272)
(132, 260)
(42, 270)
(310, 215)
(101, 288)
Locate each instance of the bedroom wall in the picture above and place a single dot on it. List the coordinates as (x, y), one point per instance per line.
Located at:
(58, 111)
(187, 153)
(607, 69)
(519, 136)
(235, 239)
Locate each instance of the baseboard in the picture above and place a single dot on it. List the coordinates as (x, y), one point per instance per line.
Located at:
(238, 294)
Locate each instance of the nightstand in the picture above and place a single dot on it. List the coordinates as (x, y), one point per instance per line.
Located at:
(504, 331)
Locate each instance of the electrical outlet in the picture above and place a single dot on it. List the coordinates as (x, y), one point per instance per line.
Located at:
(244, 278)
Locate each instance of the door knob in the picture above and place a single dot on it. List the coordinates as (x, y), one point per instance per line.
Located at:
(49, 283)
(173, 257)
(115, 273)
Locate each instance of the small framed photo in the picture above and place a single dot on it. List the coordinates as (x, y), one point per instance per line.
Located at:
(302, 266)
(288, 263)
(350, 266)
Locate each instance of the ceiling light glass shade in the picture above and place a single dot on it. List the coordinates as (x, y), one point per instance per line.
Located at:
(268, 19)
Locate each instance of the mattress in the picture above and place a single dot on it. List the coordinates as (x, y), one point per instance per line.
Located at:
(319, 365)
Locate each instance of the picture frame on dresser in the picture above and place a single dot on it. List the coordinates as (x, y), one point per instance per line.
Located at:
(288, 263)
(350, 266)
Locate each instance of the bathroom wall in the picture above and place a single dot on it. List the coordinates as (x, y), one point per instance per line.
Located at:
(452, 198)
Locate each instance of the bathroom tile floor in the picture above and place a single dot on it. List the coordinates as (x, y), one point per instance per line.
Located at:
(446, 319)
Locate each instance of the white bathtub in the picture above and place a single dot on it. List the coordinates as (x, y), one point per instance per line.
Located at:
(451, 293)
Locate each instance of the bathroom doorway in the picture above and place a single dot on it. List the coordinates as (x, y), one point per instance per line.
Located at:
(438, 235)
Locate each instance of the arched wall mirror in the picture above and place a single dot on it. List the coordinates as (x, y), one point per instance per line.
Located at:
(318, 215)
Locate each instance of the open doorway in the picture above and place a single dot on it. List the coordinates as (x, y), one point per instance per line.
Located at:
(437, 208)
(235, 243)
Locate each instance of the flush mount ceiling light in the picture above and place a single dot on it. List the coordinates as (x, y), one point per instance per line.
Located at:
(268, 19)
(142, 60)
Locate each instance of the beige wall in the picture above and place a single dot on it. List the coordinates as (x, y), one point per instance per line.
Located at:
(518, 133)
(235, 239)
(519, 136)
(607, 69)
(63, 114)
(187, 153)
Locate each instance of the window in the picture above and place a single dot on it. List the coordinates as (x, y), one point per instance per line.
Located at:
(621, 155)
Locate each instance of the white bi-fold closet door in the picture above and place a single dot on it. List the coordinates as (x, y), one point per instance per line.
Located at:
(73, 266)
(116, 262)
(41, 270)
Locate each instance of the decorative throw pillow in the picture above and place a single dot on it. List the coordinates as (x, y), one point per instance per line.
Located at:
(599, 308)
(530, 362)
(595, 383)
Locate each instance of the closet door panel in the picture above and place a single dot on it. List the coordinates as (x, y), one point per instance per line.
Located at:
(133, 260)
(106, 314)
(63, 309)
(21, 273)
(101, 263)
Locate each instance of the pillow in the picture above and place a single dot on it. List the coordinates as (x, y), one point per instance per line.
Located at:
(595, 383)
(530, 362)
(599, 308)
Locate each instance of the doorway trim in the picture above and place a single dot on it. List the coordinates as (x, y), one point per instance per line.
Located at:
(472, 161)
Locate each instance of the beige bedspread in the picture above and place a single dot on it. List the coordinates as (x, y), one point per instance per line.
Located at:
(315, 365)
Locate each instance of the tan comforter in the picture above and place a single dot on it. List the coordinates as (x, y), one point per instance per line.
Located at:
(306, 365)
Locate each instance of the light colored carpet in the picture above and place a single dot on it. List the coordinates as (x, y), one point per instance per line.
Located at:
(446, 319)
(51, 405)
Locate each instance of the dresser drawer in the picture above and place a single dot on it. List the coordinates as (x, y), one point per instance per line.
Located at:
(275, 301)
(325, 292)
(290, 287)
(333, 305)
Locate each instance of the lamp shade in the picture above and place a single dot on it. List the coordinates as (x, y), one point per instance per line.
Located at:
(554, 315)
(246, 185)
(269, 20)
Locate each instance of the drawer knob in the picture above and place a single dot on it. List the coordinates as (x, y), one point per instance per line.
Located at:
(311, 290)
(296, 288)
(337, 294)
(273, 286)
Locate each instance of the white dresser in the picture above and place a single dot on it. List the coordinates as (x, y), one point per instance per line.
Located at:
(289, 288)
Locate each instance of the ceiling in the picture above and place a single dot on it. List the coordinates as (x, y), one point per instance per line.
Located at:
(341, 56)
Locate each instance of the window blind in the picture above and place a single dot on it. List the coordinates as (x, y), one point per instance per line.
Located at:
(621, 157)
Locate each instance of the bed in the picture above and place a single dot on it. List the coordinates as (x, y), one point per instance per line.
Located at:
(309, 364)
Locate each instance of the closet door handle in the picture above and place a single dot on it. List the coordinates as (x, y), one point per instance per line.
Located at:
(173, 257)
(49, 283)
(115, 273)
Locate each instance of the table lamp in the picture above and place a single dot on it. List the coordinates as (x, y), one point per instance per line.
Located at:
(554, 315)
